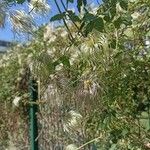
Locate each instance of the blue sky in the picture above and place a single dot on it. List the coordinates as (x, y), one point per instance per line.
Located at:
(7, 34)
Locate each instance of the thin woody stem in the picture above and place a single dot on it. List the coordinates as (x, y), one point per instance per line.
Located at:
(33, 7)
(71, 19)
(71, 37)
(88, 142)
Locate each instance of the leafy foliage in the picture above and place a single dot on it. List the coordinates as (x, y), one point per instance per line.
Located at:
(104, 75)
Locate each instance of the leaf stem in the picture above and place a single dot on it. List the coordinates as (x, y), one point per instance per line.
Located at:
(71, 37)
(70, 18)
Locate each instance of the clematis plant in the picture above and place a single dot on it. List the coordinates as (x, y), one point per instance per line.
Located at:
(2, 13)
(22, 22)
(39, 7)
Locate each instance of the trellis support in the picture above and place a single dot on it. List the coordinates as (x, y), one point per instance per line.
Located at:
(33, 114)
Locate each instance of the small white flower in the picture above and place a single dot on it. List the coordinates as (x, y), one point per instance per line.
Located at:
(129, 32)
(71, 60)
(118, 8)
(49, 33)
(39, 6)
(135, 15)
(147, 145)
(73, 121)
(19, 59)
(3, 7)
(147, 43)
(21, 21)
(132, 1)
(64, 34)
(74, 57)
(71, 147)
(133, 69)
(93, 88)
(85, 48)
(16, 101)
(124, 75)
(51, 51)
(90, 87)
(103, 41)
(52, 38)
(59, 67)
(2, 18)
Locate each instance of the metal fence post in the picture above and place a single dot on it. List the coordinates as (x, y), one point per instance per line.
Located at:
(33, 114)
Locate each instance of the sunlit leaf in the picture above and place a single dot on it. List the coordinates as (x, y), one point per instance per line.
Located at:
(73, 16)
(124, 4)
(118, 22)
(99, 24)
(89, 17)
(57, 17)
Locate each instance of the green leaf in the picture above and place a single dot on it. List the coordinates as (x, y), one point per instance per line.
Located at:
(20, 1)
(105, 1)
(124, 19)
(124, 4)
(11, 1)
(113, 43)
(55, 63)
(99, 24)
(81, 3)
(88, 28)
(113, 147)
(125, 132)
(145, 121)
(107, 17)
(73, 16)
(118, 22)
(84, 2)
(94, 147)
(89, 17)
(57, 17)
(65, 61)
(70, 1)
(110, 14)
(127, 19)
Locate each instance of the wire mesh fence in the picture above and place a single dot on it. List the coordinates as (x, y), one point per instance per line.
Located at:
(14, 135)
(62, 111)
(60, 123)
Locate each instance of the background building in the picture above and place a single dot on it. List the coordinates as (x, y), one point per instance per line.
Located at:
(4, 45)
